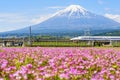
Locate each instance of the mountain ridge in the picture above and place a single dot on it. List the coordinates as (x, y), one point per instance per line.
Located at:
(73, 18)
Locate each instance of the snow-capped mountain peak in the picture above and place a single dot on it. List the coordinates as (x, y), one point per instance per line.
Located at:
(73, 19)
(72, 10)
(75, 8)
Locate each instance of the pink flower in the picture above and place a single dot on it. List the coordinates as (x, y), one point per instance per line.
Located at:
(63, 75)
(93, 79)
(1, 78)
(112, 77)
(4, 64)
(29, 66)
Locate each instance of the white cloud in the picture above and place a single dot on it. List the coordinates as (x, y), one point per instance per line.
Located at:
(113, 17)
(56, 7)
(12, 18)
(111, 10)
(41, 19)
(12, 21)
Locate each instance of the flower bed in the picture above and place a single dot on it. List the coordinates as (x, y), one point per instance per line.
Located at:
(59, 64)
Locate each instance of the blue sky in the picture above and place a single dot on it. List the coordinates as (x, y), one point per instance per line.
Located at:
(16, 14)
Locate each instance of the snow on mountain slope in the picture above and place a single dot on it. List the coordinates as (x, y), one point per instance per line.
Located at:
(72, 11)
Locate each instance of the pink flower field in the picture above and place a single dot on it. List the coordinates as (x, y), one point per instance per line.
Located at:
(59, 64)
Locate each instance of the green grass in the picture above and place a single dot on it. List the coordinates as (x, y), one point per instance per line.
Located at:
(67, 44)
(59, 44)
(116, 44)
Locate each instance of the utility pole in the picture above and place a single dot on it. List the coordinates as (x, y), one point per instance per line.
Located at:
(30, 43)
(87, 32)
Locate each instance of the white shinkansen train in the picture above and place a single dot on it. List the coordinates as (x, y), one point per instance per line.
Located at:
(99, 38)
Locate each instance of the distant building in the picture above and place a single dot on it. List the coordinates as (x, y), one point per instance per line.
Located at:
(10, 42)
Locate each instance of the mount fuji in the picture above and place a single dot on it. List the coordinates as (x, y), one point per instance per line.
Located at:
(74, 18)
